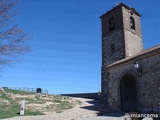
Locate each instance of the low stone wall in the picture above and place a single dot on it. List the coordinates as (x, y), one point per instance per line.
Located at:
(84, 95)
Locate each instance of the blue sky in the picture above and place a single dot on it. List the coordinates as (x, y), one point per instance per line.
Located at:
(66, 44)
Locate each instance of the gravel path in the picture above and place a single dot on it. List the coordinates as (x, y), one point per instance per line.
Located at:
(89, 107)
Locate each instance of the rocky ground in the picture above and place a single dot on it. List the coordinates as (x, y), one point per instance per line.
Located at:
(88, 110)
(89, 107)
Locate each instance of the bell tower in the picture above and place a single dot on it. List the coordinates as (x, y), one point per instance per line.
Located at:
(121, 34)
(121, 38)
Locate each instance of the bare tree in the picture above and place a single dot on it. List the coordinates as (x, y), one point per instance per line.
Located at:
(13, 40)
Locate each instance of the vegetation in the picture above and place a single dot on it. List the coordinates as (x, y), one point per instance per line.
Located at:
(12, 110)
(35, 104)
(19, 92)
(13, 40)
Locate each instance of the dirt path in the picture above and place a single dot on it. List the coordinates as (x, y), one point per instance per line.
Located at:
(89, 107)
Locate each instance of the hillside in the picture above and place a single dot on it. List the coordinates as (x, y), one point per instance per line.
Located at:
(35, 104)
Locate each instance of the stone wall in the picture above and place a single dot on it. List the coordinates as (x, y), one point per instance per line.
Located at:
(133, 43)
(149, 90)
(126, 22)
(147, 84)
(84, 95)
(118, 22)
(132, 38)
(116, 39)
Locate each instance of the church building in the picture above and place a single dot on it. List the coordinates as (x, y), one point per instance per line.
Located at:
(130, 79)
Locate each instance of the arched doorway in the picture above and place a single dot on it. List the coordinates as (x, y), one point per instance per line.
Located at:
(128, 93)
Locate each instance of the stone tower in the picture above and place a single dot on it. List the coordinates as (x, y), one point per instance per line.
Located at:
(121, 37)
(121, 34)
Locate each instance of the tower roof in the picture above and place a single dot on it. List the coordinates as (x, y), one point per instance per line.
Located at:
(121, 5)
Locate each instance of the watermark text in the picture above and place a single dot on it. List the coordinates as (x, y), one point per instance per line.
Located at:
(135, 115)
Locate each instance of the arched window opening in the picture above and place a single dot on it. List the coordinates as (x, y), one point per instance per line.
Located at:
(111, 24)
(132, 23)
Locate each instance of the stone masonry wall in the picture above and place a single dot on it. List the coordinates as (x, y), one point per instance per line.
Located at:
(104, 90)
(118, 22)
(116, 39)
(126, 22)
(133, 43)
(132, 38)
(115, 75)
(148, 85)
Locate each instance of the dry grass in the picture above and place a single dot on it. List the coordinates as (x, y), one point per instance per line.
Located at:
(35, 104)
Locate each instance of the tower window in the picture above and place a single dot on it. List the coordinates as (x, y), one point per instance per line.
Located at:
(132, 23)
(112, 48)
(111, 24)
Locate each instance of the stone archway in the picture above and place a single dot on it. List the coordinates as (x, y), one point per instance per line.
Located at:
(128, 93)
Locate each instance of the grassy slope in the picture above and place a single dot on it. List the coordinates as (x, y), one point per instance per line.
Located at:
(10, 106)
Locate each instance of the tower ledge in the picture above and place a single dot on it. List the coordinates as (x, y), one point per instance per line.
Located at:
(118, 6)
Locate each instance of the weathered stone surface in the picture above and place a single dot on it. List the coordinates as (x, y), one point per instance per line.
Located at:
(147, 84)
(121, 48)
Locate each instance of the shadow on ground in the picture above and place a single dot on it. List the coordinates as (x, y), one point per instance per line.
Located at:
(97, 105)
